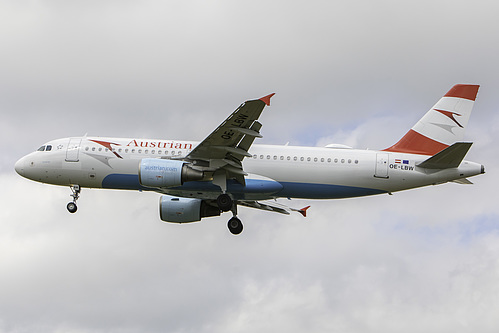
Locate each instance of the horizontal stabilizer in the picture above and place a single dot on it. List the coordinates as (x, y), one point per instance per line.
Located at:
(463, 181)
(450, 157)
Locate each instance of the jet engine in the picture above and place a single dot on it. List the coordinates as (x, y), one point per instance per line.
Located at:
(183, 210)
(155, 172)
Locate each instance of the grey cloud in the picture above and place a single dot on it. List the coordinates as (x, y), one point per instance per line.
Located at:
(358, 73)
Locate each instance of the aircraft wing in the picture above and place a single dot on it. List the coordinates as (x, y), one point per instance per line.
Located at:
(226, 147)
(273, 207)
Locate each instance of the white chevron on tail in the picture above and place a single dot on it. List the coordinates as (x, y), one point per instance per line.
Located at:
(443, 125)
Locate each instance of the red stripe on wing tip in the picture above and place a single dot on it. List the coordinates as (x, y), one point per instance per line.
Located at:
(266, 99)
(303, 211)
(467, 91)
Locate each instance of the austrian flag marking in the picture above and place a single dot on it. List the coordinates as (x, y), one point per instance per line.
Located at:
(402, 165)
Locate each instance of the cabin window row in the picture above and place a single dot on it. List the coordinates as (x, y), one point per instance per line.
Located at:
(303, 159)
(136, 151)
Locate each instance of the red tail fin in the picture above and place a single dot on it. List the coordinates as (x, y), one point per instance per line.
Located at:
(443, 125)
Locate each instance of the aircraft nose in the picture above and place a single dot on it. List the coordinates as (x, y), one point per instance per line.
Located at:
(19, 166)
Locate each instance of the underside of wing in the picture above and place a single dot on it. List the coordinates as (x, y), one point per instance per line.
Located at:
(223, 151)
(273, 207)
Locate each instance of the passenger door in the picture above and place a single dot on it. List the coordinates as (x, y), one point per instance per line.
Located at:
(381, 170)
(73, 151)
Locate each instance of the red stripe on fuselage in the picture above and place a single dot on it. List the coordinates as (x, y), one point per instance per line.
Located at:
(467, 91)
(415, 143)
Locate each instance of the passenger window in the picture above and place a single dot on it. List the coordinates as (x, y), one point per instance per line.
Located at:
(335, 160)
(153, 151)
(86, 148)
(268, 157)
(261, 157)
(329, 160)
(282, 158)
(93, 148)
(356, 161)
(275, 157)
(159, 152)
(254, 156)
(308, 159)
(295, 158)
(315, 159)
(302, 159)
(289, 158)
(146, 151)
(342, 160)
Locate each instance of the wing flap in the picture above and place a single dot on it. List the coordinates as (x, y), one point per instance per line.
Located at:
(247, 141)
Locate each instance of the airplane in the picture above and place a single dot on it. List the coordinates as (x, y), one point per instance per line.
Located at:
(226, 170)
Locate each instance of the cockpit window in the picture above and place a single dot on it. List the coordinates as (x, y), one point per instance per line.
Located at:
(45, 148)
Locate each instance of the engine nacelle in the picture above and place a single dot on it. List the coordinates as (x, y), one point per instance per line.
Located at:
(155, 172)
(184, 210)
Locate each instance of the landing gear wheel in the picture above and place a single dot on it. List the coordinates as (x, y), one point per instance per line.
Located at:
(224, 202)
(72, 207)
(235, 226)
(76, 189)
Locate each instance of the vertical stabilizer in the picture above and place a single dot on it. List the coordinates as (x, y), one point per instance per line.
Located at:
(443, 125)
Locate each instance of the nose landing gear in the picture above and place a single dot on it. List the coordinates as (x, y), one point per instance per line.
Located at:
(76, 194)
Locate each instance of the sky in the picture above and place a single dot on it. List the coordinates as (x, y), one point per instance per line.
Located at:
(359, 73)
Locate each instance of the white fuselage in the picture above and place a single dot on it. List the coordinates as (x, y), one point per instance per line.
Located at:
(273, 171)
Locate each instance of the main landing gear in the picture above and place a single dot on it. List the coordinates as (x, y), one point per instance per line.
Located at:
(76, 194)
(235, 225)
(225, 203)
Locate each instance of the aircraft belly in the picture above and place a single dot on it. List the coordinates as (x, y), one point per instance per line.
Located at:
(322, 181)
(324, 191)
(255, 189)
